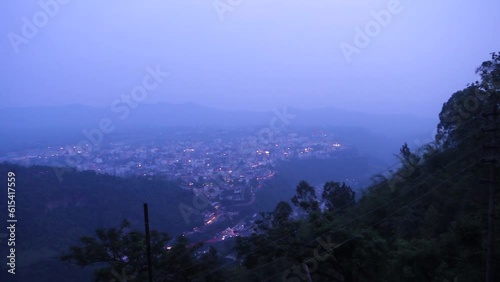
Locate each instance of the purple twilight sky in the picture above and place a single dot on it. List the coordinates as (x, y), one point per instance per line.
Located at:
(378, 56)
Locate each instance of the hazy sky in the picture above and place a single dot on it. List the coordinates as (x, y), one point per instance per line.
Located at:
(249, 54)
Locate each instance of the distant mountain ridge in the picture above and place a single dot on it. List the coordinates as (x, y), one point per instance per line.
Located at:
(31, 126)
(191, 114)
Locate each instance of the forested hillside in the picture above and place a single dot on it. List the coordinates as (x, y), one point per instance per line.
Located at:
(426, 221)
(54, 214)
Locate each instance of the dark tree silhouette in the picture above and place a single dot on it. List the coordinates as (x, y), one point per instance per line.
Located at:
(337, 197)
(305, 198)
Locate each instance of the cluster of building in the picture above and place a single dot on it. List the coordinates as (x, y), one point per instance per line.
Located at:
(221, 170)
(229, 168)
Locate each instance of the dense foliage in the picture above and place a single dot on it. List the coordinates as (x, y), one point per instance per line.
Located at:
(120, 254)
(53, 214)
(427, 221)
